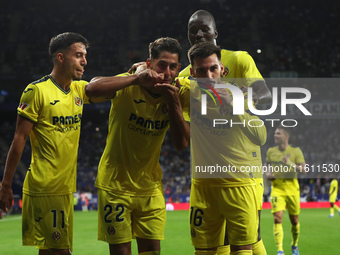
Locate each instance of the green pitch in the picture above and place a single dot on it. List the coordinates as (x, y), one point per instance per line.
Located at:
(319, 234)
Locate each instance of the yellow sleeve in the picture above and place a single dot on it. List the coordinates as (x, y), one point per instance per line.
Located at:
(184, 95)
(248, 68)
(299, 159)
(268, 161)
(81, 90)
(29, 105)
(185, 72)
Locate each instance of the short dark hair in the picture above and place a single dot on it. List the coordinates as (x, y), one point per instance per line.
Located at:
(64, 41)
(286, 129)
(203, 13)
(203, 50)
(164, 44)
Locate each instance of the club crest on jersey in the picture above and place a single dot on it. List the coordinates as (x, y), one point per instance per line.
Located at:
(56, 235)
(23, 106)
(225, 72)
(223, 110)
(78, 101)
(111, 230)
(165, 109)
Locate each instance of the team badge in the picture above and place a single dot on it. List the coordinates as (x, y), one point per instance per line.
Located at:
(78, 101)
(23, 106)
(223, 110)
(225, 72)
(165, 109)
(254, 154)
(111, 230)
(193, 233)
(56, 235)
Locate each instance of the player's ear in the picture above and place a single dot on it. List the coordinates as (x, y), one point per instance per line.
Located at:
(222, 68)
(60, 57)
(148, 63)
(192, 72)
(216, 34)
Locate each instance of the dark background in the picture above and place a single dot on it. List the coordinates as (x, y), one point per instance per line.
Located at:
(296, 39)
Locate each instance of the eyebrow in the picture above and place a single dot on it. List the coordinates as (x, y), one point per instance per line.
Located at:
(81, 53)
(167, 63)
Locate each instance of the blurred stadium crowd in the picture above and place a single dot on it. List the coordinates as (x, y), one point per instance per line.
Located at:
(286, 39)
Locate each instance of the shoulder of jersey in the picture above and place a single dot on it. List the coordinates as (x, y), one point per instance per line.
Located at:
(294, 147)
(185, 81)
(236, 53)
(43, 79)
(273, 148)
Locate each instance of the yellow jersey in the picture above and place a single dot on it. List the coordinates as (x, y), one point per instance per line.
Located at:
(224, 155)
(138, 123)
(239, 69)
(54, 138)
(333, 189)
(275, 157)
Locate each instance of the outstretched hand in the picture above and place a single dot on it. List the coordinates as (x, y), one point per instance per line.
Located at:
(137, 67)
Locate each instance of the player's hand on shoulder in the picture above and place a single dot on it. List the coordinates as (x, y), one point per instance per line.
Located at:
(137, 67)
(148, 78)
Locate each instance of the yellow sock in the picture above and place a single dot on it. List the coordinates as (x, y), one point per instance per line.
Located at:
(259, 249)
(278, 235)
(332, 211)
(295, 234)
(205, 252)
(336, 207)
(242, 252)
(223, 250)
(150, 253)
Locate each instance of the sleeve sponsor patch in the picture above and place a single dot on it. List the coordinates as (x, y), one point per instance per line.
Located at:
(23, 106)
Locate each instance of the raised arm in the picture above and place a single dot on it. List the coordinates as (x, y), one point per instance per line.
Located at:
(262, 94)
(108, 86)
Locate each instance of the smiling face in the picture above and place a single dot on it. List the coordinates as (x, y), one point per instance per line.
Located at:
(280, 136)
(74, 60)
(166, 63)
(201, 28)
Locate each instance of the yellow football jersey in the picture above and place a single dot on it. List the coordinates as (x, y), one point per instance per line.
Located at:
(333, 189)
(238, 65)
(275, 157)
(56, 114)
(239, 69)
(223, 155)
(138, 123)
